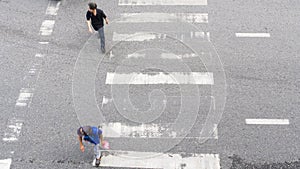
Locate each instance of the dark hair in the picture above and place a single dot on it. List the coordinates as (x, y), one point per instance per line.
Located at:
(92, 5)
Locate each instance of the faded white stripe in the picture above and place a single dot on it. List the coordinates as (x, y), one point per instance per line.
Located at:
(252, 35)
(147, 36)
(163, 17)
(47, 27)
(205, 78)
(164, 2)
(52, 8)
(119, 130)
(131, 159)
(268, 121)
(5, 164)
(13, 130)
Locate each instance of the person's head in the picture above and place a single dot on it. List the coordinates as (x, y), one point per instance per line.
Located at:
(92, 6)
(83, 130)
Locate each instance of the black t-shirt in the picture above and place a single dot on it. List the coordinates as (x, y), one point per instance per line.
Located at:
(97, 21)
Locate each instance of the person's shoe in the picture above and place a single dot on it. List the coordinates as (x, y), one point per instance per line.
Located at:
(98, 160)
(103, 50)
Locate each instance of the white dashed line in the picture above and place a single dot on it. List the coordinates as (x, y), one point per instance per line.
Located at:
(38, 55)
(205, 78)
(52, 8)
(13, 130)
(268, 121)
(47, 27)
(43, 43)
(252, 35)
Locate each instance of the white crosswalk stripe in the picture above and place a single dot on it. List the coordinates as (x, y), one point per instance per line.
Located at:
(162, 2)
(163, 17)
(204, 78)
(5, 164)
(159, 160)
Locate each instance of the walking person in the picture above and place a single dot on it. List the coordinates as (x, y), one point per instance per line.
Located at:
(93, 135)
(95, 19)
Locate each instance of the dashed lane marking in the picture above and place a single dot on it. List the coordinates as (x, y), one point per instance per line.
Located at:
(47, 27)
(13, 130)
(52, 8)
(268, 121)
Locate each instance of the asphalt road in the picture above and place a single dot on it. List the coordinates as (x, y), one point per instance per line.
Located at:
(49, 90)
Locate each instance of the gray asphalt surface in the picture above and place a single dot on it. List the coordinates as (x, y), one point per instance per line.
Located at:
(261, 75)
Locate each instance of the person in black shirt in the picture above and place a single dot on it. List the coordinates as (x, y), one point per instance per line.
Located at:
(95, 18)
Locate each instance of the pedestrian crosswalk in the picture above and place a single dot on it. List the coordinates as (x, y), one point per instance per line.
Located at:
(142, 55)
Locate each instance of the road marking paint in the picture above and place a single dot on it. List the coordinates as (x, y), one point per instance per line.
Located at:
(25, 96)
(21, 104)
(38, 55)
(268, 121)
(47, 27)
(205, 78)
(147, 36)
(32, 71)
(131, 159)
(52, 8)
(44, 43)
(14, 129)
(252, 35)
(151, 17)
(162, 131)
(105, 100)
(5, 164)
(164, 2)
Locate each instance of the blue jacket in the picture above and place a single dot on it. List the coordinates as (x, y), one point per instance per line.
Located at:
(94, 137)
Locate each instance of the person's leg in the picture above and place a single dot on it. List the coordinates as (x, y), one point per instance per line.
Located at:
(102, 39)
(97, 153)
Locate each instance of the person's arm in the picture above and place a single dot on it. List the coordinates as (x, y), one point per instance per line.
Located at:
(81, 144)
(89, 25)
(101, 138)
(106, 20)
